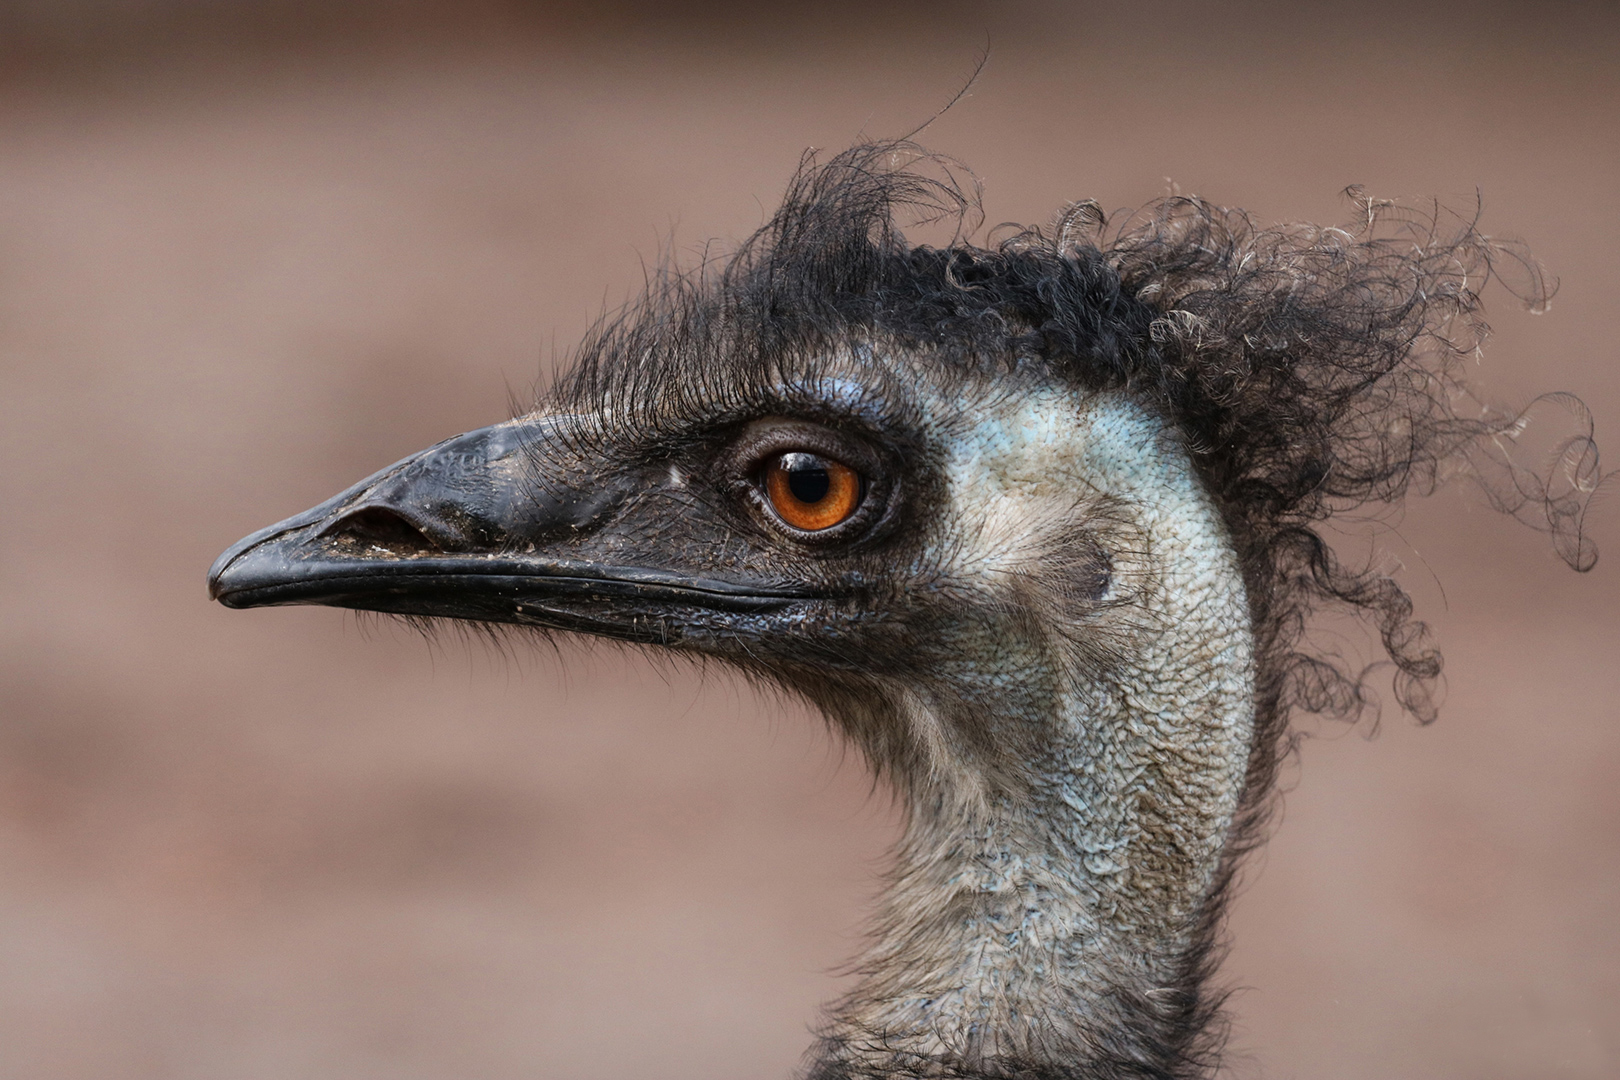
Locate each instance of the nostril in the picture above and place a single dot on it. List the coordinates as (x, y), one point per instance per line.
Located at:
(378, 526)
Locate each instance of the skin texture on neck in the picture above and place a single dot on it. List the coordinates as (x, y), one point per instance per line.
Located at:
(1045, 912)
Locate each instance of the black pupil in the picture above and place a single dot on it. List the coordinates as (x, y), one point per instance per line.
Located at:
(807, 477)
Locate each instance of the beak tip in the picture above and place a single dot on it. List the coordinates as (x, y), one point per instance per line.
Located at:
(216, 576)
(221, 581)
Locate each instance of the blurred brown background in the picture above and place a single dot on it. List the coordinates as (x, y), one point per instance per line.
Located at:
(252, 251)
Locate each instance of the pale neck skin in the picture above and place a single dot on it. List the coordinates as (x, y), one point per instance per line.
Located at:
(1042, 906)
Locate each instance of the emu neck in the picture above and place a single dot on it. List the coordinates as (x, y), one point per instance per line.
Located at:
(1055, 933)
(1054, 899)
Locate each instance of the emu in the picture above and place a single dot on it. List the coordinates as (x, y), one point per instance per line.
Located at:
(1037, 524)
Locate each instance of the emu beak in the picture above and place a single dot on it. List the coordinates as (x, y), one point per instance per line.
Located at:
(462, 530)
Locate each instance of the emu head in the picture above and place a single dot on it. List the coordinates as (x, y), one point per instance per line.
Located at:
(1032, 523)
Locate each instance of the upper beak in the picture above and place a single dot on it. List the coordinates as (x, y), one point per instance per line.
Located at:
(464, 529)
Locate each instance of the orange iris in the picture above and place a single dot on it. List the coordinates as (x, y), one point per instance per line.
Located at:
(811, 492)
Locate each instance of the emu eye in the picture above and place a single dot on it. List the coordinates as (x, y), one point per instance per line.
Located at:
(811, 492)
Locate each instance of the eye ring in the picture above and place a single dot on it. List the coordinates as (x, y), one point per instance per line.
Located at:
(811, 492)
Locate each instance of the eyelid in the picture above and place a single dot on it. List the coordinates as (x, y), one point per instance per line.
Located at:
(766, 438)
